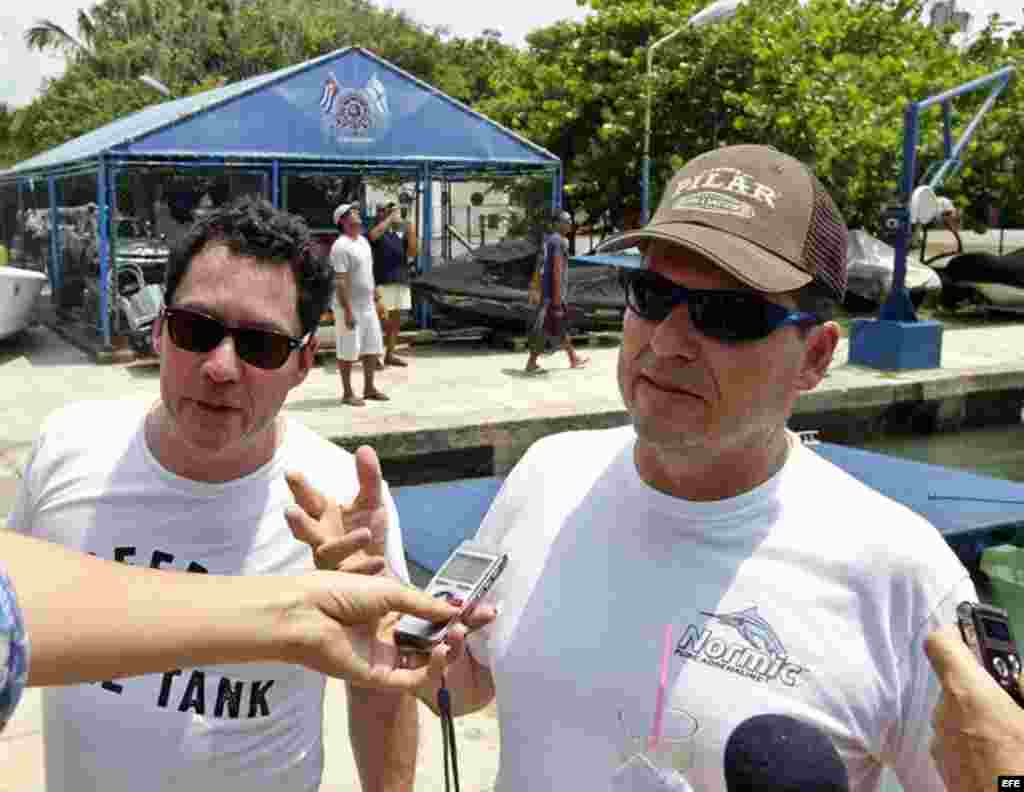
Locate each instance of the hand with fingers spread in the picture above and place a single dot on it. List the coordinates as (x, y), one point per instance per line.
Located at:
(329, 625)
(349, 538)
(979, 729)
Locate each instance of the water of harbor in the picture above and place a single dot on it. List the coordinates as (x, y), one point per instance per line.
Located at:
(989, 451)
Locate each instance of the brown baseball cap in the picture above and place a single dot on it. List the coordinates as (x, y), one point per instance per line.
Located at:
(759, 214)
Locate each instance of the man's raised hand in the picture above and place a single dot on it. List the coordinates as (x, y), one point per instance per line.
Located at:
(349, 538)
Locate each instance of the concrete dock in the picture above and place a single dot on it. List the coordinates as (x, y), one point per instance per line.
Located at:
(472, 402)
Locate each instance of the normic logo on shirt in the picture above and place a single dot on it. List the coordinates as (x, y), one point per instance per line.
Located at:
(760, 655)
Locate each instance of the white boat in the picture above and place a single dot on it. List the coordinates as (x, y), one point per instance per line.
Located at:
(870, 266)
(19, 290)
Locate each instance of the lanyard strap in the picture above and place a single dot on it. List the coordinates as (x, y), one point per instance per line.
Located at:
(444, 706)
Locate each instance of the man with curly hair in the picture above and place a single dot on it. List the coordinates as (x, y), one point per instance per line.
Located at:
(196, 482)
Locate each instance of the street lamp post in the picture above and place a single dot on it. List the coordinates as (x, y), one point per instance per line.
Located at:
(722, 9)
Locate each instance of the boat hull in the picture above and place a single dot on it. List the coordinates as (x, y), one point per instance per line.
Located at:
(19, 290)
(972, 512)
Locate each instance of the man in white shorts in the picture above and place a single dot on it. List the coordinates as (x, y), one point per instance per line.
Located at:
(357, 327)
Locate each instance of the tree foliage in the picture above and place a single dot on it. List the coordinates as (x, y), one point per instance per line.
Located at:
(827, 81)
(193, 45)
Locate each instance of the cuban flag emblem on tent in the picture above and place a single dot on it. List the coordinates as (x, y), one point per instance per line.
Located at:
(328, 95)
(352, 115)
(378, 98)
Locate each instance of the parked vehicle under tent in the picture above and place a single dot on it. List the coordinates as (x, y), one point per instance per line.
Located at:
(99, 211)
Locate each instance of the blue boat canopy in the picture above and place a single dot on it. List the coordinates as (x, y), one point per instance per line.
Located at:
(347, 107)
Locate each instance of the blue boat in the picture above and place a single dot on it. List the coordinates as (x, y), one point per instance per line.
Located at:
(972, 512)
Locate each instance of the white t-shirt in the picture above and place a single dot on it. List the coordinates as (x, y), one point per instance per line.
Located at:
(355, 257)
(808, 596)
(92, 484)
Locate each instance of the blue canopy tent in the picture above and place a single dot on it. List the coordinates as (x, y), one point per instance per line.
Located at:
(347, 112)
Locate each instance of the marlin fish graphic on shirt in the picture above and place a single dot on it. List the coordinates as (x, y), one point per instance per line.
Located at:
(760, 656)
(754, 629)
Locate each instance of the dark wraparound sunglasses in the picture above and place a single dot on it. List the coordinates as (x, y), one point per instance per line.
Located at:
(731, 316)
(197, 332)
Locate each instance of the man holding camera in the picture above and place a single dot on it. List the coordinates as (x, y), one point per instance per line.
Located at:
(394, 243)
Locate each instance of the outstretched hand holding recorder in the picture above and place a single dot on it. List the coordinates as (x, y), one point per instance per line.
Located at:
(463, 580)
(986, 630)
(979, 729)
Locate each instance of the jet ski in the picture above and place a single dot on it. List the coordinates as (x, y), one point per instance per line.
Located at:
(489, 285)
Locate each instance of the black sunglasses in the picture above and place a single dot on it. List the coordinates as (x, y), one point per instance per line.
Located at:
(731, 316)
(197, 332)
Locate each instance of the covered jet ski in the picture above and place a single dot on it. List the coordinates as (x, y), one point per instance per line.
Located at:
(488, 286)
(985, 279)
(870, 265)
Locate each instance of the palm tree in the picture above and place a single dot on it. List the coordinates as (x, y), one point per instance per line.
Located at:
(109, 22)
(48, 35)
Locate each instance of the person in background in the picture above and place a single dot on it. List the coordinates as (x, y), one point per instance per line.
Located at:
(551, 318)
(979, 729)
(212, 478)
(356, 323)
(89, 619)
(394, 244)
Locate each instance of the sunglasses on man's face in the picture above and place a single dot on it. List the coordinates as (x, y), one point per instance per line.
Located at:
(197, 332)
(727, 315)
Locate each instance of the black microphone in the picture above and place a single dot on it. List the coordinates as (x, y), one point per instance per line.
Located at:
(778, 753)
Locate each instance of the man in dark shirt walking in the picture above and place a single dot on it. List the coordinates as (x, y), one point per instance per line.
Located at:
(550, 321)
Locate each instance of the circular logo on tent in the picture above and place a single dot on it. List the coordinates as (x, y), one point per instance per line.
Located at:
(354, 116)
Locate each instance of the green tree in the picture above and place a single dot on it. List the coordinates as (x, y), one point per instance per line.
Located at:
(827, 81)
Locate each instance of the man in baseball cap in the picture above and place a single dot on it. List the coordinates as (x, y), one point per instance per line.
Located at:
(358, 334)
(779, 583)
(344, 209)
(759, 214)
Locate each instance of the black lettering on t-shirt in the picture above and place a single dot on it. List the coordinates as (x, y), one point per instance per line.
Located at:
(194, 697)
(113, 687)
(160, 557)
(165, 687)
(258, 697)
(228, 694)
